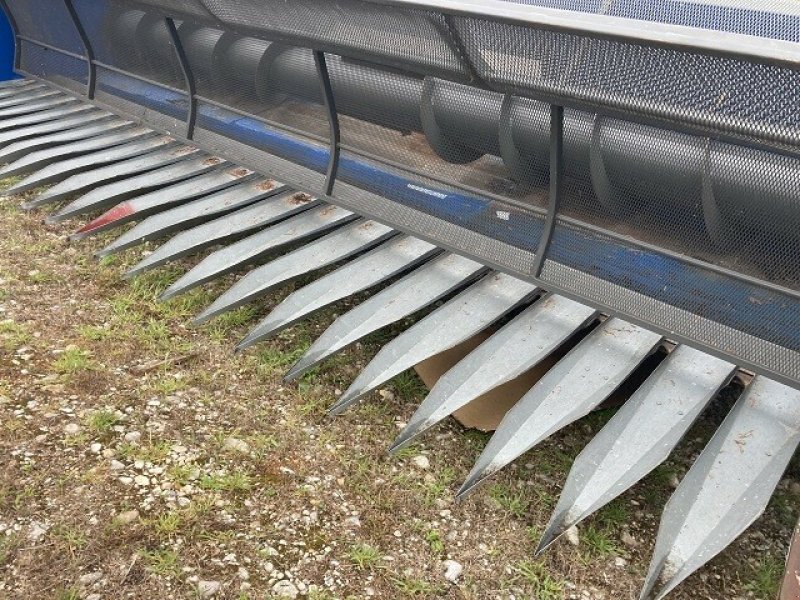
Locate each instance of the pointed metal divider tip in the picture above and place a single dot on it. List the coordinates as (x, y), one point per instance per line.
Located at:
(398, 255)
(186, 215)
(517, 347)
(441, 276)
(625, 451)
(728, 486)
(456, 321)
(303, 226)
(342, 244)
(571, 389)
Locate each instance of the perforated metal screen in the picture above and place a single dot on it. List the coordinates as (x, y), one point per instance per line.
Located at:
(681, 200)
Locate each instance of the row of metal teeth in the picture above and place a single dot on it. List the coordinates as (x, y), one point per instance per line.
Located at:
(100, 161)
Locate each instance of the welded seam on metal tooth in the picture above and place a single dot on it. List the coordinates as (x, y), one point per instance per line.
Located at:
(396, 256)
(342, 244)
(119, 163)
(728, 486)
(39, 159)
(257, 216)
(163, 198)
(19, 149)
(50, 127)
(640, 436)
(226, 260)
(422, 287)
(517, 347)
(65, 168)
(46, 116)
(574, 386)
(456, 321)
(111, 193)
(184, 216)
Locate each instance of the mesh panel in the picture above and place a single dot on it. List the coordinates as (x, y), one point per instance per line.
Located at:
(408, 38)
(66, 71)
(47, 21)
(177, 8)
(131, 40)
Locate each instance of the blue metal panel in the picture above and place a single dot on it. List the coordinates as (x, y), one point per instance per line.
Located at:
(6, 49)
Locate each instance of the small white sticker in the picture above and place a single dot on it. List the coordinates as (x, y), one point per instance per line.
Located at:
(503, 214)
(425, 190)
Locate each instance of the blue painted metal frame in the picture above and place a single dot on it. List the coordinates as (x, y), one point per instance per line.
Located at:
(6, 49)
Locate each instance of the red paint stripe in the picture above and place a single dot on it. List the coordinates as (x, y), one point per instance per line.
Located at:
(120, 211)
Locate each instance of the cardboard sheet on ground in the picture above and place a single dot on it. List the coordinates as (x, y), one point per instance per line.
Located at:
(486, 411)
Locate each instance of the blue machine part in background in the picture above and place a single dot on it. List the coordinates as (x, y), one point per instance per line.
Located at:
(6, 49)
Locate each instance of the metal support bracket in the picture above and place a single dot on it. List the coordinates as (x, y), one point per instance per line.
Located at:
(333, 119)
(556, 185)
(188, 76)
(91, 81)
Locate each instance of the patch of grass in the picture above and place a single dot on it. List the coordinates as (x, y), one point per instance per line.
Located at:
(765, 579)
(180, 474)
(167, 524)
(598, 543)
(13, 335)
(101, 422)
(434, 539)
(8, 545)
(364, 556)
(234, 483)
(71, 593)
(409, 386)
(72, 360)
(614, 514)
(72, 537)
(162, 562)
(411, 586)
(169, 384)
(220, 327)
(537, 577)
(272, 358)
(154, 453)
(508, 499)
(94, 333)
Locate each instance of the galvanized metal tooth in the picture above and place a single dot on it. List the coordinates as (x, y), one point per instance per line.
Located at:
(203, 209)
(12, 87)
(434, 280)
(517, 347)
(640, 436)
(127, 160)
(729, 484)
(50, 127)
(41, 158)
(46, 116)
(397, 256)
(111, 193)
(37, 106)
(20, 148)
(342, 244)
(577, 383)
(88, 162)
(308, 224)
(238, 223)
(34, 95)
(162, 198)
(465, 315)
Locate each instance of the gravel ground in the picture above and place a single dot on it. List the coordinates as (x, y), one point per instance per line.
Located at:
(142, 459)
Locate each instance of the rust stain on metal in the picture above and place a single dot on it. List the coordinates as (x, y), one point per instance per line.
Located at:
(299, 198)
(790, 588)
(212, 160)
(240, 172)
(184, 150)
(266, 186)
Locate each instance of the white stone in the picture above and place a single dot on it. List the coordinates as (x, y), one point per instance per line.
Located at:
(620, 562)
(572, 536)
(236, 445)
(452, 570)
(89, 578)
(206, 589)
(116, 465)
(421, 462)
(133, 437)
(285, 589)
(127, 517)
(72, 428)
(141, 480)
(36, 531)
(96, 448)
